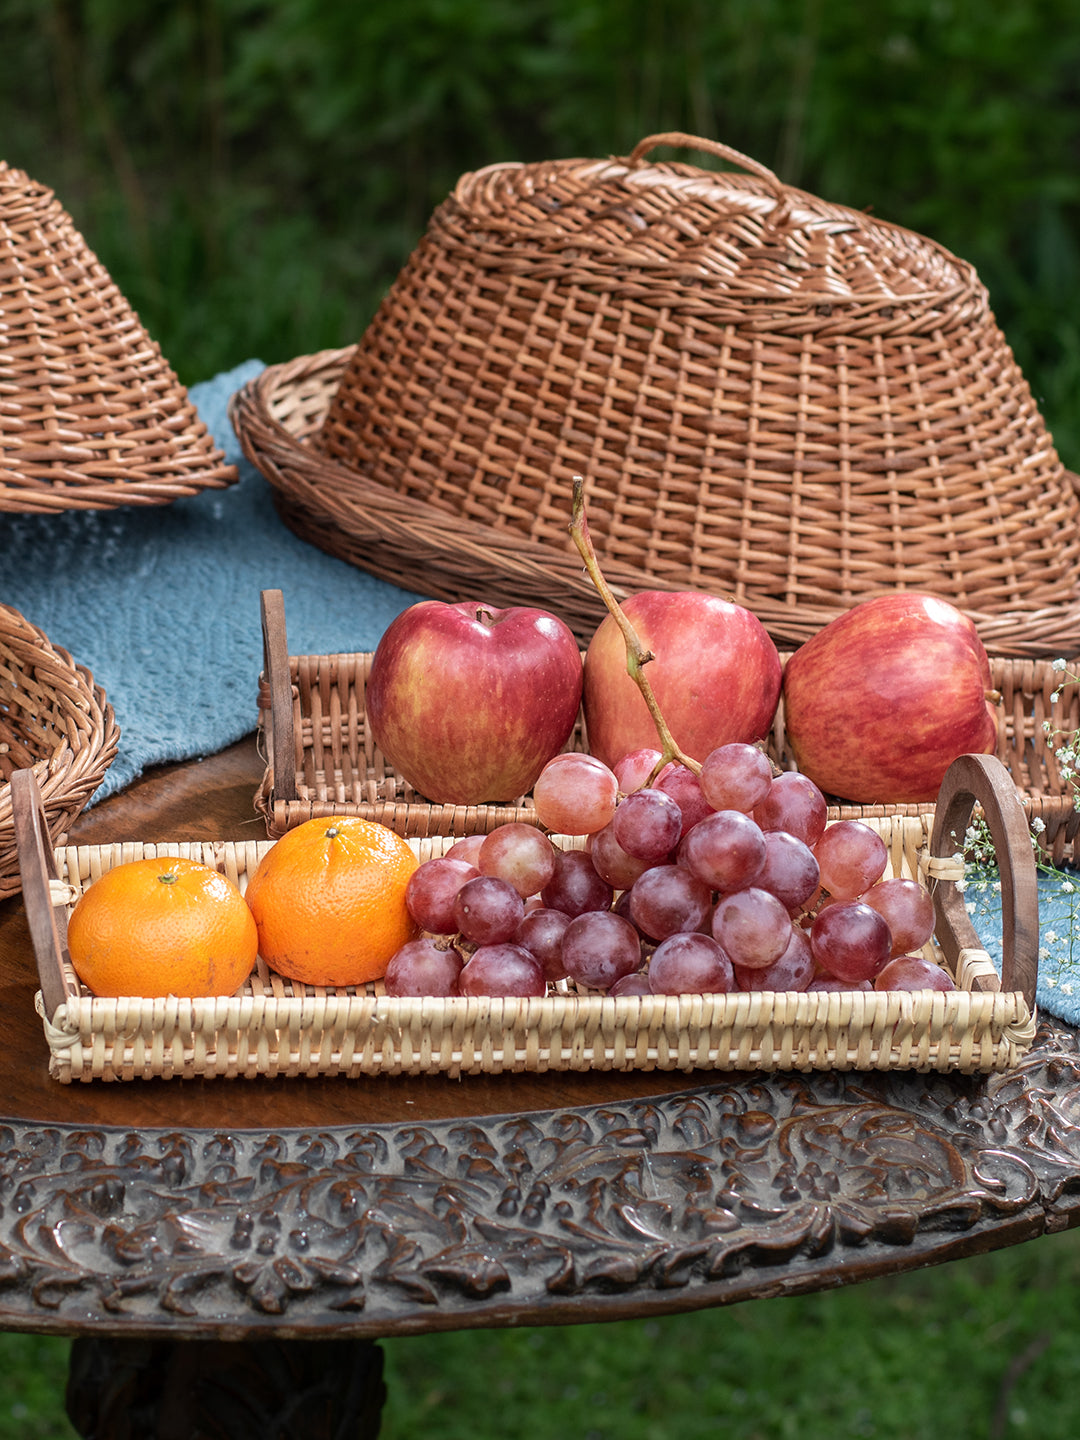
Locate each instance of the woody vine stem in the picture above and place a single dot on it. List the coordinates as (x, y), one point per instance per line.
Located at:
(637, 657)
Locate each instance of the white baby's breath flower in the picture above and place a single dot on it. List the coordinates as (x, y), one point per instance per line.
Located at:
(1066, 989)
(1058, 664)
(971, 907)
(1051, 982)
(1067, 887)
(1038, 824)
(961, 886)
(1051, 937)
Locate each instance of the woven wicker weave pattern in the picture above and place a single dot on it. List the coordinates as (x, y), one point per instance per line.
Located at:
(274, 1028)
(54, 719)
(340, 771)
(771, 397)
(91, 415)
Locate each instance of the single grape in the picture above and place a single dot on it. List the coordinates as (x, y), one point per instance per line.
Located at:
(725, 850)
(541, 933)
(752, 927)
(600, 948)
(519, 854)
(667, 899)
(789, 871)
(421, 967)
(850, 941)
(467, 849)
(690, 964)
(735, 776)
(432, 889)
(610, 860)
(793, 971)
(575, 887)
(488, 910)
(794, 804)
(913, 972)
(684, 787)
(575, 794)
(851, 857)
(635, 984)
(502, 969)
(648, 824)
(634, 769)
(908, 910)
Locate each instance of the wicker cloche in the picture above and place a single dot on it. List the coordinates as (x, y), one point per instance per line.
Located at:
(770, 396)
(91, 414)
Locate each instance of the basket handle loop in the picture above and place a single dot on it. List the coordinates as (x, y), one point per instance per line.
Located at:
(711, 147)
(276, 670)
(37, 867)
(983, 779)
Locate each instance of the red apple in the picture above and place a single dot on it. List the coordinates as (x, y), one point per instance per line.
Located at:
(716, 676)
(469, 703)
(879, 703)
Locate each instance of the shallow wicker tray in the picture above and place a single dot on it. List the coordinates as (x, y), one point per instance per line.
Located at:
(54, 719)
(771, 397)
(274, 1028)
(322, 761)
(93, 415)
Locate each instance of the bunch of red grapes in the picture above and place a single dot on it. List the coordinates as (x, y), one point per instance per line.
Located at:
(684, 884)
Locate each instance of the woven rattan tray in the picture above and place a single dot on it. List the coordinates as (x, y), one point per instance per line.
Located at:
(775, 398)
(275, 1028)
(54, 719)
(92, 415)
(322, 761)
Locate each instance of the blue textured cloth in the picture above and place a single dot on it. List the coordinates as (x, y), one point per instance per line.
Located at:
(1058, 989)
(162, 604)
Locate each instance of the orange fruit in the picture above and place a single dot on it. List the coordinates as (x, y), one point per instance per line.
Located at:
(164, 926)
(329, 901)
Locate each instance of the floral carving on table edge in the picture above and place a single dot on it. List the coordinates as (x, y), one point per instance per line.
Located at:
(369, 1226)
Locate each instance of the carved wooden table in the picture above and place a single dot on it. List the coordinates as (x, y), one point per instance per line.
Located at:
(220, 1249)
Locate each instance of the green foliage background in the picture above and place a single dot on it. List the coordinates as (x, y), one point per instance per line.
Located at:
(254, 172)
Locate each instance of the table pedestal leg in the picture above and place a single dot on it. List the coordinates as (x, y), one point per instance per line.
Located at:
(220, 1390)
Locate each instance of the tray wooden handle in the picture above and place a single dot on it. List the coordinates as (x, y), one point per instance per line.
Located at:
(710, 147)
(984, 780)
(276, 670)
(37, 869)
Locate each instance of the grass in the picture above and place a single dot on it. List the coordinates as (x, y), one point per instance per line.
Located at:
(979, 1349)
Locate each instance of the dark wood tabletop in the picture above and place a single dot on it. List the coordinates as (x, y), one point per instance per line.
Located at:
(378, 1206)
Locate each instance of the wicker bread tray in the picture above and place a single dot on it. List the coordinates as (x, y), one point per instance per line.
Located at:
(93, 416)
(775, 398)
(53, 719)
(274, 1028)
(322, 761)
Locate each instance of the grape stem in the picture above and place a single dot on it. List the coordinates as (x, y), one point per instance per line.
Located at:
(637, 657)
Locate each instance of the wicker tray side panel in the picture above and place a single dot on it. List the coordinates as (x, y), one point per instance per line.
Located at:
(275, 1028)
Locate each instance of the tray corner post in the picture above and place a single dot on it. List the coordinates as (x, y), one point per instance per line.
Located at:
(276, 667)
(37, 868)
